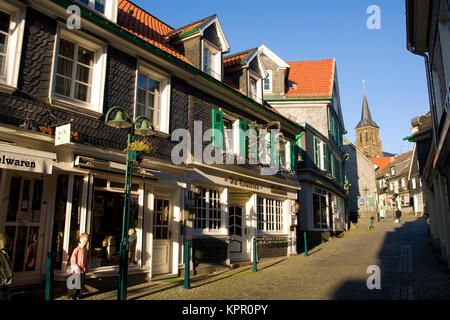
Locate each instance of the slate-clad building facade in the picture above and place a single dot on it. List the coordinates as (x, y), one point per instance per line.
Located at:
(122, 56)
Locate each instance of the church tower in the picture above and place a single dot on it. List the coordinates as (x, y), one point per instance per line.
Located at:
(367, 133)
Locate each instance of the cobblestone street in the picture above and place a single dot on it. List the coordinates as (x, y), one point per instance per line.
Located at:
(335, 270)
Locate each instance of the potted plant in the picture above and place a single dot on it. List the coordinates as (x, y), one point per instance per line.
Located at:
(140, 147)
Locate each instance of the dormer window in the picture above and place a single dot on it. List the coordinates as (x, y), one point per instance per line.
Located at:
(211, 61)
(108, 8)
(392, 171)
(268, 81)
(254, 89)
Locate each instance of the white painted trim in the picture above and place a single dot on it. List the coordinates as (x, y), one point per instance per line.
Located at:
(14, 45)
(95, 107)
(272, 56)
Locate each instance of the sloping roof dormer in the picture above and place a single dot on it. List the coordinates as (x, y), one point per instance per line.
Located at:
(244, 71)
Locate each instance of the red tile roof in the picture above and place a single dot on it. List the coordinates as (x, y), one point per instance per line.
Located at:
(311, 79)
(187, 28)
(237, 58)
(396, 160)
(144, 25)
(381, 162)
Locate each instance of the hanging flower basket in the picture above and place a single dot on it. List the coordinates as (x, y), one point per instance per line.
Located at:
(140, 147)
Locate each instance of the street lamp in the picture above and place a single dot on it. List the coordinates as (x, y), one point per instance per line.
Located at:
(123, 121)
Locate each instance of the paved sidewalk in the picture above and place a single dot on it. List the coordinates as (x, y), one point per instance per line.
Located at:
(337, 269)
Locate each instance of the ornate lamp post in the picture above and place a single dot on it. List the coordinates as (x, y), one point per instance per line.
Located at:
(123, 121)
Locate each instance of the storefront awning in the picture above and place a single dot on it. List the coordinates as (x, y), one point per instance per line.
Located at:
(24, 159)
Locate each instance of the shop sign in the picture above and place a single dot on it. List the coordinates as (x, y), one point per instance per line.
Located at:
(244, 184)
(62, 135)
(22, 162)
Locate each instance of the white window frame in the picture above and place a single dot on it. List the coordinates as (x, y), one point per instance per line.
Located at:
(216, 69)
(272, 215)
(403, 182)
(413, 183)
(221, 220)
(111, 8)
(95, 106)
(257, 96)
(164, 95)
(269, 81)
(8, 83)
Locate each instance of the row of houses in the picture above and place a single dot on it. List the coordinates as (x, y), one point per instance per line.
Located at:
(428, 36)
(179, 79)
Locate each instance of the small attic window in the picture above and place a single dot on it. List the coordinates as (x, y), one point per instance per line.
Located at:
(108, 8)
(290, 84)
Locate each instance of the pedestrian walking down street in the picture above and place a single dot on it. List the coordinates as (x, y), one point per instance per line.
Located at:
(398, 214)
(79, 266)
(6, 271)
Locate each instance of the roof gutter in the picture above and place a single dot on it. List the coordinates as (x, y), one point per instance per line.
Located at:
(297, 99)
(117, 30)
(418, 135)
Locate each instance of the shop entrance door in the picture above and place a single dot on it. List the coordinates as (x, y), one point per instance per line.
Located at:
(161, 237)
(25, 214)
(237, 231)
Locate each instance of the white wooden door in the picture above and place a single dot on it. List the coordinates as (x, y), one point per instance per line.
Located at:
(161, 236)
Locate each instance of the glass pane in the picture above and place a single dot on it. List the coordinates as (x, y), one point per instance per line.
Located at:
(3, 39)
(82, 92)
(63, 86)
(142, 82)
(59, 220)
(84, 74)
(31, 252)
(85, 56)
(64, 67)
(100, 6)
(10, 234)
(37, 198)
(151, 100)
(25, 205)
(75, 216)
(106, 228)
(140, 110)
(2, 66)
(153, 85)
(14, 193)
(141, 96)
(66, 48)
(4, 22)
(19, 252)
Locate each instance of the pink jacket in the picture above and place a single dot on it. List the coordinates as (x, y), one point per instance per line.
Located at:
(79, 260)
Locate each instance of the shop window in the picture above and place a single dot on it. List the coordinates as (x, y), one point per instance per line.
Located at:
(269, 215)
(75, 215)
(106, 227)
(208, 211)
(320, 209)
(59, 218)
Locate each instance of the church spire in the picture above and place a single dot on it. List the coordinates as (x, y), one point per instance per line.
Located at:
(366, 117)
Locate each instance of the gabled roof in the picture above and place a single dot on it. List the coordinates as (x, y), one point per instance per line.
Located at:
(199, 27)
(366, 117)
(381, 162)
(311, 79)
(141, 23)
(272, 56)
(401, 162)
(242, 58)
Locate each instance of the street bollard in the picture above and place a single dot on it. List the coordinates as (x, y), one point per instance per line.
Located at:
(306, 246)
(255, 269)
(187, 280)
(49, 277)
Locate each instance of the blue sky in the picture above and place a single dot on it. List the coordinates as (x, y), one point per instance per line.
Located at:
(298, 30)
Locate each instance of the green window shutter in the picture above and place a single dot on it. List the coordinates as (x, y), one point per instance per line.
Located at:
(217, 123)
(298, 142)
(274, 154)
(242, 138)
(324, 155)
(332, 162)
(329, 120)
(293, 155)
